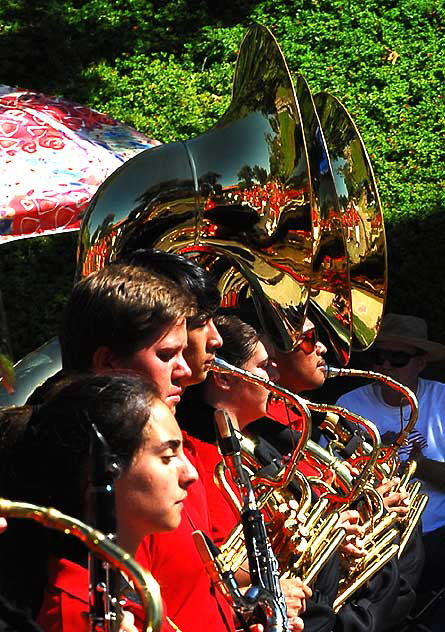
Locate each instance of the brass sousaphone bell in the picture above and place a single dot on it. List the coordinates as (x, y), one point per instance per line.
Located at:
(257, 200)
(239, 194)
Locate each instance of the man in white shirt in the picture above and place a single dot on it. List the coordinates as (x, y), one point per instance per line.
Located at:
(401, 351)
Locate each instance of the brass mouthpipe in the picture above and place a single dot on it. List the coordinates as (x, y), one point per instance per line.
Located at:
(288, 472)
(98, 543)
(407, 393)
(371, 459)
(409, 472)
(319, 508)
(319, 537)
(304, 407)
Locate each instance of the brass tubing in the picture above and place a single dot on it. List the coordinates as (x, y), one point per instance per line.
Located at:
(144, 583)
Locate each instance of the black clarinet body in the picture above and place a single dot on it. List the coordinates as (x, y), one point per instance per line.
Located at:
(265, 592)
(104, 610)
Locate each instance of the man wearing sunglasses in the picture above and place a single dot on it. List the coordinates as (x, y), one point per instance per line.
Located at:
(304, 368)
(402, 350)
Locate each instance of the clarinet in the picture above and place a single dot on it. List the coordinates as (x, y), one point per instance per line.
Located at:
(105, 613)
(265, 591)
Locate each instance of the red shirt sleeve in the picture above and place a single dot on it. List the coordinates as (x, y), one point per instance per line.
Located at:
(192, 603)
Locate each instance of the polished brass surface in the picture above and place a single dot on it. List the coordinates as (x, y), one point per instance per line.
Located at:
(362, 218)
(288, 472)
(416, 504)
(143, 582)
(240, 192)
(289, 520)
(388, 455)
(365, 463)
(303, 536)
(411, 520)
(330, 287)
(278, 199)
(377, 557)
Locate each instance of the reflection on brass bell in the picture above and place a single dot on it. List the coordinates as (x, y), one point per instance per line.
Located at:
(258, 199)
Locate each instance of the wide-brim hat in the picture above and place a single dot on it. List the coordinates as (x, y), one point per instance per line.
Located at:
(410, 330)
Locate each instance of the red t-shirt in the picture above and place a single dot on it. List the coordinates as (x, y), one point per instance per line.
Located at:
(223, 515)
(191, 600)
(278, 411)
(65, 602)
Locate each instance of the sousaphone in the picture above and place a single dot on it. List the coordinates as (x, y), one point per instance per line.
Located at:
(261, 202)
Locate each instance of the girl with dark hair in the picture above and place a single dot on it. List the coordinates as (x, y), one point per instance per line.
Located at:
(45, 460)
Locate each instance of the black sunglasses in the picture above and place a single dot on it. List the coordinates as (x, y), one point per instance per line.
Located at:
(307, 341)
(396, 359)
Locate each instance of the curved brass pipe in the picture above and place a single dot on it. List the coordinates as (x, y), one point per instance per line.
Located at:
(98, 543)
(367, 472)
(290, 521)
(407, 393)
(288, 472)
(304, 407)
(375, 560)
(295, 552)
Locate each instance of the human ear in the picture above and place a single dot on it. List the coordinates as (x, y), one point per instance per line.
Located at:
(421, 362)
(103, 360)
(222, 381)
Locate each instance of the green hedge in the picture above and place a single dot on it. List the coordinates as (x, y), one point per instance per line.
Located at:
(166, 68)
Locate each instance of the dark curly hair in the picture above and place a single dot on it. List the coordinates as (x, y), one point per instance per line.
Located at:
(44, 460)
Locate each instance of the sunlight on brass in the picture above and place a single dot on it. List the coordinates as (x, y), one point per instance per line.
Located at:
(361, 218)
(241, 191)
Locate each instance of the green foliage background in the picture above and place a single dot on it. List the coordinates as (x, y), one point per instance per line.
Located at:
(166, 68)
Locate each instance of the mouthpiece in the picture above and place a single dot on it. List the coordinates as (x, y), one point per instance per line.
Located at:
(223, 366)
(333, 371)
(228, 442)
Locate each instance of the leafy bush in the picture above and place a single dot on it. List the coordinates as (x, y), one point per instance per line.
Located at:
(166, 68)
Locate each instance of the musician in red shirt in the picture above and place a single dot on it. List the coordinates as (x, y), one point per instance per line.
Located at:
(149, 492)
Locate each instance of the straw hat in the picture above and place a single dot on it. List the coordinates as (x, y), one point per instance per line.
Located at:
(410, 330)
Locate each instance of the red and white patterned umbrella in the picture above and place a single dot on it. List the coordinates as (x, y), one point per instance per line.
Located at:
(54, 154)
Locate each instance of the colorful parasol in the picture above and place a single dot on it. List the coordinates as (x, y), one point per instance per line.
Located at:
(54, 154)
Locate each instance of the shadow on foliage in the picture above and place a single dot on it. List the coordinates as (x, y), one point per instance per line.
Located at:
(53, 41)
(36, 278)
